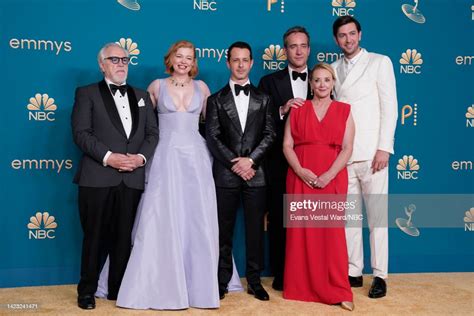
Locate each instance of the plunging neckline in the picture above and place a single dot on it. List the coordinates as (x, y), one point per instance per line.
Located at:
(186, 107)
(325, 114)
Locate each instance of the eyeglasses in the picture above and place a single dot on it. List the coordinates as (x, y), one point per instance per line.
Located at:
(115, 60)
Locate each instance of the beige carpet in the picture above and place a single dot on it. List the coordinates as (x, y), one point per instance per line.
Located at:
(422, 294)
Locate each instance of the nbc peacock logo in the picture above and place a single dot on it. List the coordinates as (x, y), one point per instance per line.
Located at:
(274, 57)
(343, 7)
(408, 168)
(41, 226)
(130, 4)
(411, 62)
(470, 116)
(469, 220)
(132, 48)
(41, 107)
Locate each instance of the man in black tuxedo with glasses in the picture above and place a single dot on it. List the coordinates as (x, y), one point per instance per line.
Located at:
(239, 132)
(288, 88)
(115, 127)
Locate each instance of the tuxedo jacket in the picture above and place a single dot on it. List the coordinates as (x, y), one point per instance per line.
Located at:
(370, 89)
(226, 140)
(278, 86)
(97, 128)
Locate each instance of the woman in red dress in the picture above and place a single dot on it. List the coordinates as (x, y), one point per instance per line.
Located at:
(317, 144)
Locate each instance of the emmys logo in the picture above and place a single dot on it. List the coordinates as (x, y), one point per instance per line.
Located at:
(45, 45)
(464, 60)
(132, 49)
(461, 165)
(343, 7)
(130, 4)
(41, 226)
(470, 116)
(270, 3)
(408, 111)
(408, 168)
(211, 53)
(274, 57)
(469, 220)
(40, 164)
(205, 5)
(328, 57)
(411, 61)
(472, 13)
(406, 225)
(413, 13)
(41, 108)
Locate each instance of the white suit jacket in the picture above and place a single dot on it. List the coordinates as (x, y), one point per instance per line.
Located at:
(370, 89)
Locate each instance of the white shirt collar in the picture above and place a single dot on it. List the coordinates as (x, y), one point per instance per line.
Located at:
(354, 59)
(291, 69)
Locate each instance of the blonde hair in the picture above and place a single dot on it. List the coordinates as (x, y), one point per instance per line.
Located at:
(325, 67)
(173, 49)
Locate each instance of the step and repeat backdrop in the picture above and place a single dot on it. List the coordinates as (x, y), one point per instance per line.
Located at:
(49, 47)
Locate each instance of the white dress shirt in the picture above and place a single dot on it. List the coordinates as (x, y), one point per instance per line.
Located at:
(298, 86)
(241, 103)
(348, 64)
(123, 108)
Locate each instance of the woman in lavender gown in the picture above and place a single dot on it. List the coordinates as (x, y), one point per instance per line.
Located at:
(173, 264)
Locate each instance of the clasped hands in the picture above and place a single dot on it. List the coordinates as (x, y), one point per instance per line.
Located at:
(243, 168)
(127, 163)
(312, 180)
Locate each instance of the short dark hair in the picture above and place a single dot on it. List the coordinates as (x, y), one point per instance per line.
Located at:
(343, 20)
(239, 44)
(294, 29)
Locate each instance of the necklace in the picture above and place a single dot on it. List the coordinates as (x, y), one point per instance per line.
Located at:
(177, 83)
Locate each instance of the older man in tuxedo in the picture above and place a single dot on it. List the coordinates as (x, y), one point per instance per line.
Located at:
(367, 82)
(115, 127)
(240, 131)
(288, 88)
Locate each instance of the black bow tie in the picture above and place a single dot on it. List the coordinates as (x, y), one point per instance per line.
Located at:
(122, 89)
(245, 89)
(301, 75)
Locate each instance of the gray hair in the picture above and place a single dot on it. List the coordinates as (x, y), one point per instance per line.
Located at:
(100, 55)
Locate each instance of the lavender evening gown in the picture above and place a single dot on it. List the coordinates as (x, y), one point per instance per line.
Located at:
(173, 264)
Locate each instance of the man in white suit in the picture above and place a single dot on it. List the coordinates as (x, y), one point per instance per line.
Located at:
(367, 82)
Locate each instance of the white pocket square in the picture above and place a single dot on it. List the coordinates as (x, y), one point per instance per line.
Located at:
(141, 103)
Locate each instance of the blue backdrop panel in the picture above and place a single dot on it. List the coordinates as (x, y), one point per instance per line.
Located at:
(48, 48)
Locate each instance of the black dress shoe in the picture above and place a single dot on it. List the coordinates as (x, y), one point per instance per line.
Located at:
(277, 284)
(356, 281)
(258, 291)
(222, 293)
(378, 288)
(86, 301)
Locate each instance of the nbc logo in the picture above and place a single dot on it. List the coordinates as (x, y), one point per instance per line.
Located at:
(205, 5)
(409, 111)
(413, 13)
(469, 220)
(407, 168)
(270, 3)
(132, 49)
(470, 116)
(41, 108)
(411, 62)
(274, 57)
(41, 226)
(343, 7)
(130, 4)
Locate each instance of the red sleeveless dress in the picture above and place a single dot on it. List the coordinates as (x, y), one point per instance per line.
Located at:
(316, 262)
